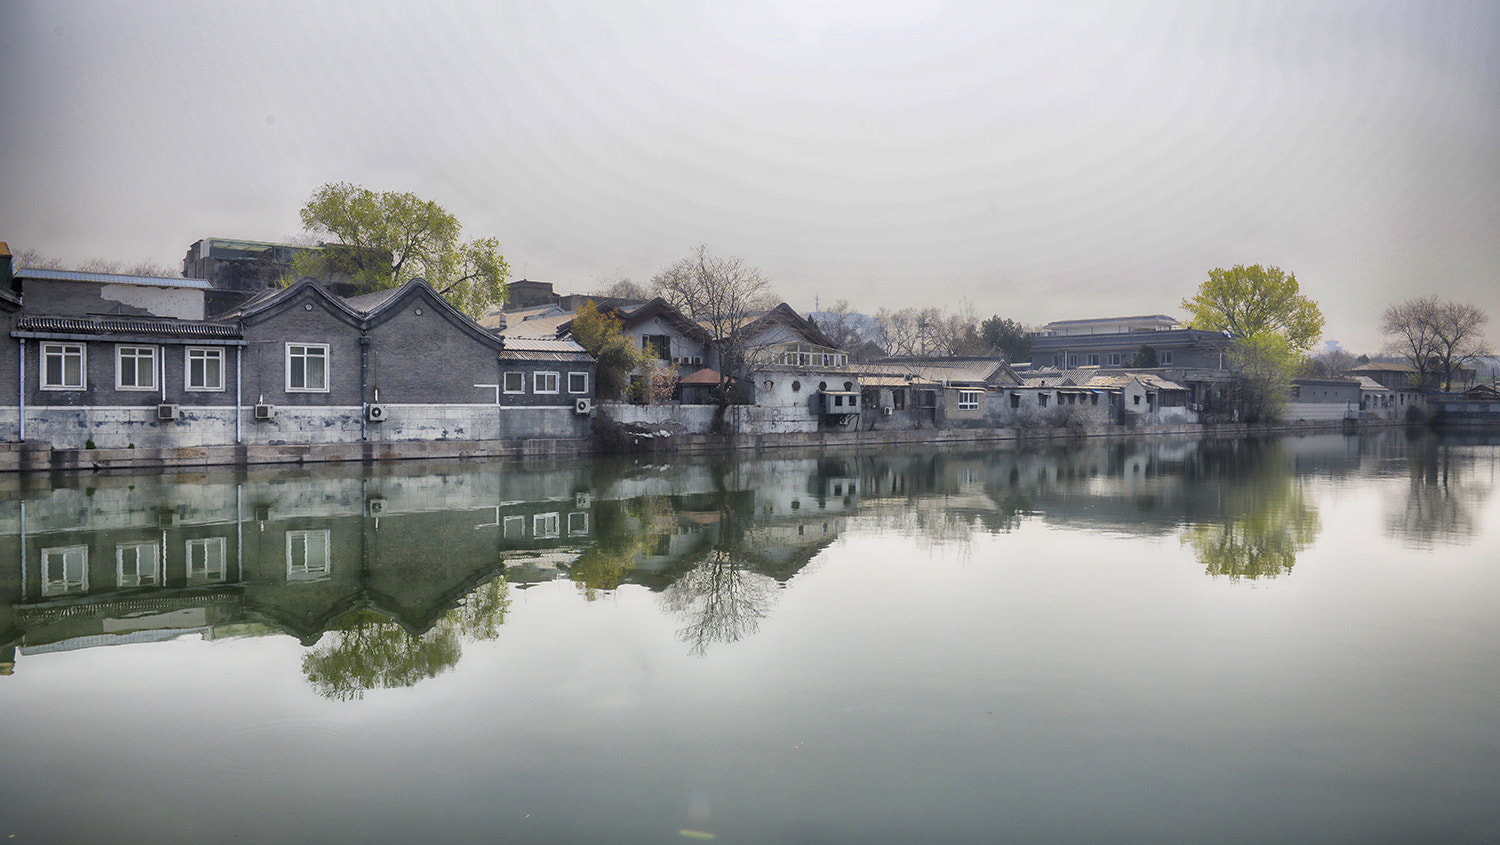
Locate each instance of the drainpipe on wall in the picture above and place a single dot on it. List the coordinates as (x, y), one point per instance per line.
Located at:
(364, 386)
(239, 401)
(21, 375)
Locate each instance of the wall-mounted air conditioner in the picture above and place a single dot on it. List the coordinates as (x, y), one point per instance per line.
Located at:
(582, 407)
(265, 412)
(166, 412)
(375, 413)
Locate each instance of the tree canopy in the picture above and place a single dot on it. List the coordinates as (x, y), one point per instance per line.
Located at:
(1246, 301)
(386, 239)
(1435, 337)
(616, 354)
(723, 295)
(1007, 337)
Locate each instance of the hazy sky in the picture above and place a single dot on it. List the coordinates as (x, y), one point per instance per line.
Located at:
(1041, 161)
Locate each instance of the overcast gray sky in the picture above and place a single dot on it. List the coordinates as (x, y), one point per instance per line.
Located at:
(1042, 161)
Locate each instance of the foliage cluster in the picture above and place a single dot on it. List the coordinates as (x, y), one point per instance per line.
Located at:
(616, 355)
(386, 239)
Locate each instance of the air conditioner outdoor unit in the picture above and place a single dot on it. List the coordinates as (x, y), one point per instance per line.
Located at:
(886, 411)
(375, 413)
(265, 412)
(583, 500)
(583, 406)
(166, 412)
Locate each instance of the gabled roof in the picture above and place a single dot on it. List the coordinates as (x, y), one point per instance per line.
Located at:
(383, 305)
(784, 315)
(263, 307)
(520, 348)
(658, 307)
(1370, 385)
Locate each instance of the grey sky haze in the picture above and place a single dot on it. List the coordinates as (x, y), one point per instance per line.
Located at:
(1042, 161)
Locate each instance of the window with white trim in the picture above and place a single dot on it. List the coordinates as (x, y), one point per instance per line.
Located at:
(307, 556)
(968, 400)
(1093, 359)
(205, 560)
(578, 524)
(135, 367)
(65, 570)
(204, 367)
(546, 526)
(138, 565)
(515, 382)
(544, 382)
(578, 382)
(514, 527)
(1165, 357)
(62, 366)
(307, 368)
(1114, 359)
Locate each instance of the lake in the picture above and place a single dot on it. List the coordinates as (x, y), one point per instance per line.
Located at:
(1290, 639)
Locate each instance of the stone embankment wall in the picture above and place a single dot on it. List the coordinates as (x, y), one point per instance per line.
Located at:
(33, 456)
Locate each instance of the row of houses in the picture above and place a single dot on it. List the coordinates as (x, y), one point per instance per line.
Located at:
(109, 361)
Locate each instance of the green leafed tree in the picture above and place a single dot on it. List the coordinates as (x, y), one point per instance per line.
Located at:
(1273, 326)
(1008, 337)
(385, 239)
(616, 355)
(1246, 301)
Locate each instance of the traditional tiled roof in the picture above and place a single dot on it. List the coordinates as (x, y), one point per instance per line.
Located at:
(1368, 384)
(125, 326)
(946, 370)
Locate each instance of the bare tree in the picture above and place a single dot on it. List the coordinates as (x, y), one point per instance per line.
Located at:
(1334, 362)
(899, 331)
(1460, 337)
(621, 288)
(30, 259)
(1435, 337)
(841, 325)
(723, 295)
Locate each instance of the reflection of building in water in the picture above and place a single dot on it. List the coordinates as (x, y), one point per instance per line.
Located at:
(132, 559)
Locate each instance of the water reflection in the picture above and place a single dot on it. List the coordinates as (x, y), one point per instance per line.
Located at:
(369, 649)
(384, 575)
(1266, 514)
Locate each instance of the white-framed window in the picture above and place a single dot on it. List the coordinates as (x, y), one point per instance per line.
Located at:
(1165, 357)
(514, 528)
(546, 526)
(515, 382)
(968, 400)
(205, 560)
(307, 368)
(138, 565)
(307, 556)
(544, 382)
(1114, 359)
(578, 382)
(62, 366)
(1093, 359)
(135, 367)
(1072, 362)
(204, 368)
(578, 524)
(65, 570)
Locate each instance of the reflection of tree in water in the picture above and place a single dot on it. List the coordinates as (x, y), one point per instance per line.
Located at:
(370, 650)
(1440, 500)
(623, 531)
(721, 600)
(1266, 519)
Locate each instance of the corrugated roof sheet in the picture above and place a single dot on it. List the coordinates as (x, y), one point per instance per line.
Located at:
(110, 325)
(113, 279)
(542, 344)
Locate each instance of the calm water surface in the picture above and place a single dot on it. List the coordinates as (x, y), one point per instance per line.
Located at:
(1291, 640)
